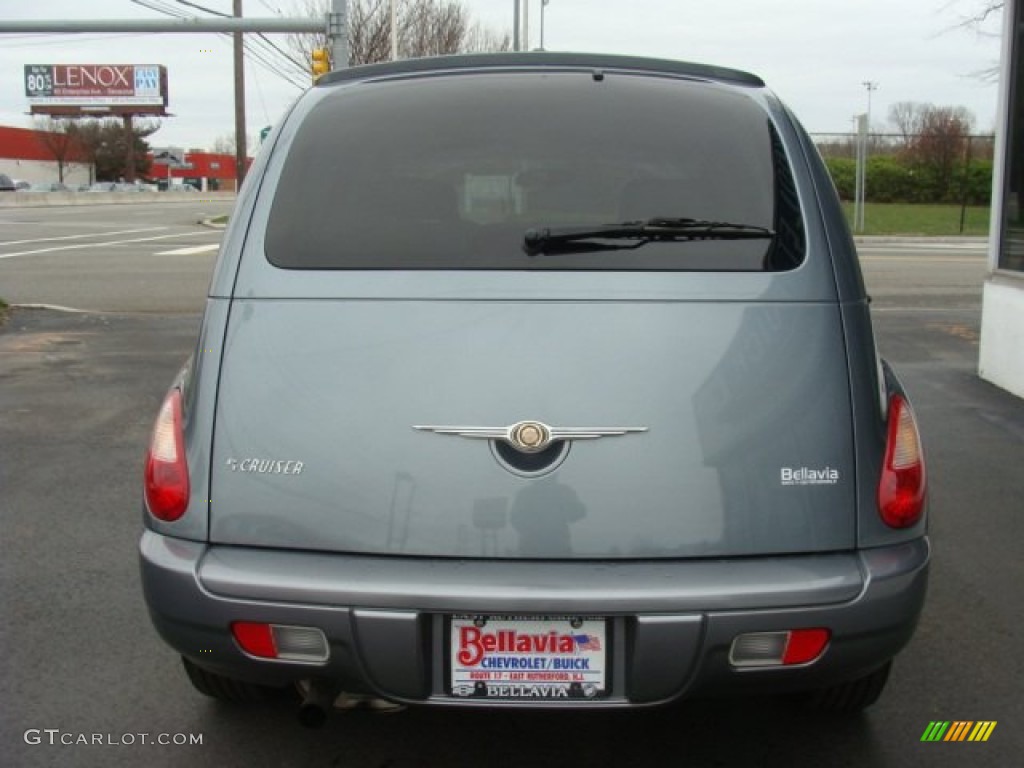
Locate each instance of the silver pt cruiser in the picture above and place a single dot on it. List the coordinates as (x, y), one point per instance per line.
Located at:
(536, 380)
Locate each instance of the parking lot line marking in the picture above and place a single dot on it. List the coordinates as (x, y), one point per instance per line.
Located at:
(927, 259)
(189, 250)
(924, 245)
(101, 245)
(55, 308)
(875, 308)
(79, 237)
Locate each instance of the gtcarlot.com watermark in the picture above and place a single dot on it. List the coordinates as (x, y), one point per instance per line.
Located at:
(55, 736)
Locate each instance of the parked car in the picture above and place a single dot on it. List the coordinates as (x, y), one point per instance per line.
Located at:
(6, 183)
(134, 186)
(102, 186)
(536, 380)
(49, 186)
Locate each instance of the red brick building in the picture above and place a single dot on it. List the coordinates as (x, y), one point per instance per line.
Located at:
(36, 156)
(209, 171)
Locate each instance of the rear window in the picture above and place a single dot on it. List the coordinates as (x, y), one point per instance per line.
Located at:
(451, 171)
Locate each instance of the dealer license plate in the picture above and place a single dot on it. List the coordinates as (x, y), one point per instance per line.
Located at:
(512, 657)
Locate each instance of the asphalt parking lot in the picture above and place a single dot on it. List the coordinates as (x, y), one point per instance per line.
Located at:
(78, 393)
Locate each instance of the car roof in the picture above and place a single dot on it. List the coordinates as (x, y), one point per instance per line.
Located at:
(542, 60)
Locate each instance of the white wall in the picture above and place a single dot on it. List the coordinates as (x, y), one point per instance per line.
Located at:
(1001, 355)
(39, 170)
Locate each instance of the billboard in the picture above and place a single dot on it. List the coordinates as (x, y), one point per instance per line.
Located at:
(63, 88)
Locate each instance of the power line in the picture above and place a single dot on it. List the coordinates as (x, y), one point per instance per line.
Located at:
(272, 10)
(259, 55)
(159, 7)
(59, 39)
(287, 56)
(251, 45)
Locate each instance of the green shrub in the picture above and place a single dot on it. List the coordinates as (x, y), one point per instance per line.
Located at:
(892, 179)
(975, 185)
(844, 173)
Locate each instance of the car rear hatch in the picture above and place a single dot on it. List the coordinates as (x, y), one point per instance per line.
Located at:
(388, 332)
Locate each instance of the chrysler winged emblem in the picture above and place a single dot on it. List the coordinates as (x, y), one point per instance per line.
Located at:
(531, 436)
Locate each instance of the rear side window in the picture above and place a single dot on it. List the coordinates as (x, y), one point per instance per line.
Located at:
(452, 171)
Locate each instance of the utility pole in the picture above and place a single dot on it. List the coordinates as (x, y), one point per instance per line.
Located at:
(864, 131)
(871, 86)
(241, 155)
(394, 30)
(862, 171)
(516, 25)
(337, 33)
(526, 25)
(543, 5)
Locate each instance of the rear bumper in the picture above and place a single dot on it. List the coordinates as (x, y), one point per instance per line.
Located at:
(671, 624)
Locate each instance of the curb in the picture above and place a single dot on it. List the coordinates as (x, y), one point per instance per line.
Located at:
(967, 240)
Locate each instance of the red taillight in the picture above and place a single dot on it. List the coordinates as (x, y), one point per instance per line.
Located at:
(255, 639)
(901, 489)
(805, 645)
(167, 485)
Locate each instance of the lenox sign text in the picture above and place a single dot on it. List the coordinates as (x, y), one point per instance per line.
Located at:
(97, 79)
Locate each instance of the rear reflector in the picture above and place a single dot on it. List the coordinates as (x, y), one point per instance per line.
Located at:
(281, 642)
(255, 639)
(805, 645)
(778, 649)
(167, 486)
(901, 488)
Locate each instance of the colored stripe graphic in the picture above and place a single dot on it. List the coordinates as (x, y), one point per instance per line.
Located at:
(982, 730)
(935, 731)
(958, 730)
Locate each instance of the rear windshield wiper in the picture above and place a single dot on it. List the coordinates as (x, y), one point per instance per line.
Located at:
(583, 239)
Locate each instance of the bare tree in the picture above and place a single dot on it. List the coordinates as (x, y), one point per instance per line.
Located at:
(979, 19)
(425, 28)
(982, 11)
(907, 117)
(480, 39)
(934, 138)
(225, 143)
(60, 139)
(369, 31)
(429, 29)
(943, 140)
(90, 136)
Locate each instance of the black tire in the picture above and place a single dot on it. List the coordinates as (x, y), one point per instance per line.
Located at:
(851, 697)
(228, 689)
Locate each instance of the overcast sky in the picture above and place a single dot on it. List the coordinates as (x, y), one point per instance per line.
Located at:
(816, 54)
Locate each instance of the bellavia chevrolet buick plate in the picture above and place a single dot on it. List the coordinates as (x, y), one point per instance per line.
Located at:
(536, 380)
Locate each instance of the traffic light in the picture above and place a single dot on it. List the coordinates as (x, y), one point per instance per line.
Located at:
(321, 63)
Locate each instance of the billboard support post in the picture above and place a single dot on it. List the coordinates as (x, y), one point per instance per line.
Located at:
(129, 152)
